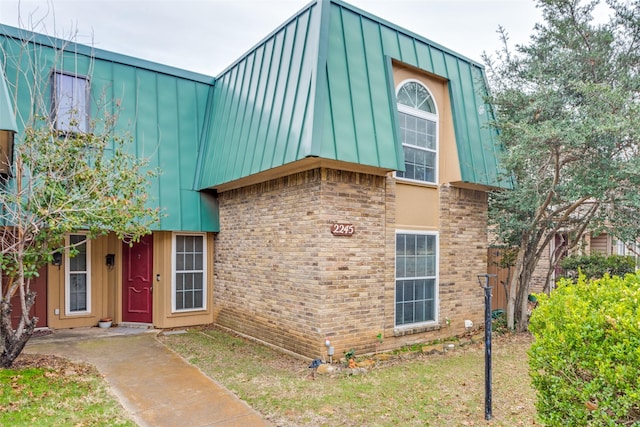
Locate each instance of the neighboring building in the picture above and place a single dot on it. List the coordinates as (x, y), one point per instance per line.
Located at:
(589, 243)
(332, 182)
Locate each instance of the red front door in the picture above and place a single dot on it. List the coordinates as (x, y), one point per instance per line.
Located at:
(39, 308)
(137, 263)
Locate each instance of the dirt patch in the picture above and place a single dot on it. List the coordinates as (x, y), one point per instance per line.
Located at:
(55, 363)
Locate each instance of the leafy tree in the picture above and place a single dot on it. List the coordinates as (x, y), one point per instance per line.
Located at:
(568, 116)
(62, 182)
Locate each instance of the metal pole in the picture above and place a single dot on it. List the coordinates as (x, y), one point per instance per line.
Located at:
(487, 349)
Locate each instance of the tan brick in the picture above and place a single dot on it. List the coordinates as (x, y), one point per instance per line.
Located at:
(281, 276)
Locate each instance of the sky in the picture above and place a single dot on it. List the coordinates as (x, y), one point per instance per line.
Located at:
(206, 36)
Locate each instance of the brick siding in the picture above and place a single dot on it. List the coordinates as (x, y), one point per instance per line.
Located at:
(282, 277)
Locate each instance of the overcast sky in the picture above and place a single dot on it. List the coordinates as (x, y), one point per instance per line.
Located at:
(206, 36)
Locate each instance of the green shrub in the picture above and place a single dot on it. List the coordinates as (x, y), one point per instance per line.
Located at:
(597, 265)
(585, 360)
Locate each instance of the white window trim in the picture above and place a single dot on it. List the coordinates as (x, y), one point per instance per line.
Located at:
(67, 281)
(427, 116)
(205, 285)
(629, 249)
(436, 285)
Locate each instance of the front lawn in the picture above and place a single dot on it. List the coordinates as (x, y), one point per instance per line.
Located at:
(410, 389)
(43, 390)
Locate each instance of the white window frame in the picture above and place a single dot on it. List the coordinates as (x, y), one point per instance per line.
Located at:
(67, 276)
(629, 249)
(436, 287)
(67, 100)
(433, 117)
(174, 273)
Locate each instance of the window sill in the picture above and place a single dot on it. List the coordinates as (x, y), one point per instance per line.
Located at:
(416, 183)
(74, 315)
(193, 312)
(410, 330)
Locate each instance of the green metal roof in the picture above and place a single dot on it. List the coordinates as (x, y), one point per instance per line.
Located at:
(321, 86)
(162, 108)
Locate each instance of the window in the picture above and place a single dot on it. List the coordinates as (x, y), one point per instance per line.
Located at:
(631, 249)
(416, 275)
(189, 266)
(78, 275)
(70, 102)
(418, 120)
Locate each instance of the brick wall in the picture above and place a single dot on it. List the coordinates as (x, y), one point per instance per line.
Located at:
(282, 277)
(462, 237)
(539, 276)
(463, 255)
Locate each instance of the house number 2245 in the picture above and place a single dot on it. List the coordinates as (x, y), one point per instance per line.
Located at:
(342, 229)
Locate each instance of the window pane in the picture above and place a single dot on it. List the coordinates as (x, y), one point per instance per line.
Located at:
(411, 245)
(79, 261)
(431, 266)
(198, 244)
(419, 311)
(400, 267)
(407, 290)
(403, 96)
(400, 244)
(76, 238)
(421, 266)
(77, 278)
(78, 292)
(411, 267)
(71, 102)
(189, 280)
(197, 299)
(415, 298)
(419, 147)
(399, 314)
(415, 95)
(421, 244)
(429, 289)
(431, 134)
(429, 313)
(419, 165)
(408, 315)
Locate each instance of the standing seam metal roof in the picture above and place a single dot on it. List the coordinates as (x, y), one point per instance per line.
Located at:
(321, 86)
(162, 109)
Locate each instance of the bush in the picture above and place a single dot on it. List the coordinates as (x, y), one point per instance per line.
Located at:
(597, 265)
(585, 360)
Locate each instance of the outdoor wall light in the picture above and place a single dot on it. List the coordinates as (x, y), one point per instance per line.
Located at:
(110, 260)
(57, 259)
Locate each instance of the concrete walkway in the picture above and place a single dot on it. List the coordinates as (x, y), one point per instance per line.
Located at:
(154, 384)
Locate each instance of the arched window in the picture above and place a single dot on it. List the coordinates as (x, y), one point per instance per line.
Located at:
(418, 118)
